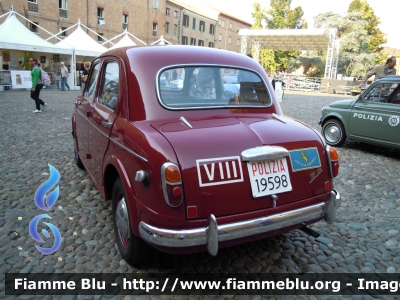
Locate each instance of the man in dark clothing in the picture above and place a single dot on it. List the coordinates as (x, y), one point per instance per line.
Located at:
(36, 76)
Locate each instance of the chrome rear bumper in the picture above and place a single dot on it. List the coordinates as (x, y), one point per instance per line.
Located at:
(213, 233)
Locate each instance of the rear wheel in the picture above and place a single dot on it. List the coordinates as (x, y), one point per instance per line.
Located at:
(333, 132)
(132, 248)
(77, 159)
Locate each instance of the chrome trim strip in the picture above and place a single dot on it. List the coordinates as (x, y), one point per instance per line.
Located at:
(102, 133)
(374, 109)
(212, 234)
(275, 116)
(164, 183)
(328, 157)
(264, 153)
(186, 122)
(129, 151)
(79, 112)
(371, 139)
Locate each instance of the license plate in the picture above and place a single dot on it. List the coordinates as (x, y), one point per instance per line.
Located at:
(269, 177)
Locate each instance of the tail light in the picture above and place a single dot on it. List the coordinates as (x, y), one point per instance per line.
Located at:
(172, 184)
(333, 160)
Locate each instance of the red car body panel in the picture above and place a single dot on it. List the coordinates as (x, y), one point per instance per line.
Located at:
(143, 135)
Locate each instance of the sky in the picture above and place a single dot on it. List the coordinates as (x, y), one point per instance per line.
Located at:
(388, 12)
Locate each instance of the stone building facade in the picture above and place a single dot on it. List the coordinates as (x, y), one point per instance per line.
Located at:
(227, 32)
(179, 23)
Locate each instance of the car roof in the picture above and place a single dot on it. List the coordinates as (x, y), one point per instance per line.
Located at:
(389, 77)
(167, 55)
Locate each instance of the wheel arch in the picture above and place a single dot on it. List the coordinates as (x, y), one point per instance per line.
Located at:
(337, 117)
(115, 169)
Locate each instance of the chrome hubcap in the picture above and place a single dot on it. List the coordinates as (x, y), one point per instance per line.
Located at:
(332, 133)
(122, 219)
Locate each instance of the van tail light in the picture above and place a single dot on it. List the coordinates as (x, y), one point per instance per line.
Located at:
(333, 160)
(172, 184)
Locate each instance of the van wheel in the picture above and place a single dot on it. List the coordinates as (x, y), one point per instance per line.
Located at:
(333, 132)
(77, 159)
(132, 248)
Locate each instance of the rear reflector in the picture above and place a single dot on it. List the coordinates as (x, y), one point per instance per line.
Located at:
(328, 186)
(191, 212)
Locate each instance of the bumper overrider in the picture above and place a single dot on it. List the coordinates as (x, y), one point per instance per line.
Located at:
(213, 233)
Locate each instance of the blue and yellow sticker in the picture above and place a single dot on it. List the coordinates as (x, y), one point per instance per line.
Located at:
(303, 159)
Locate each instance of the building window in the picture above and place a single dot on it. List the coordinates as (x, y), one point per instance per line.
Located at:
(201, 43)
(63, 31)
(193, 41)
(219, 22)
(220, 37)
(194, 23)
(100, 37)
(229, 40)
(222, 23)
(202, 26)
(125, 19)
(176, 14)
(238, 42)
(155, 4)
(175, 29)
(238, 28)
(100, 16)
(167, 28)
(230, 26)
(63, 8)
(155, 29)
(184, 40)
(212, 29)
(33, 5)
(211, 44)
(186, 20)
(167, 11)
(34, 26)
(62, 4)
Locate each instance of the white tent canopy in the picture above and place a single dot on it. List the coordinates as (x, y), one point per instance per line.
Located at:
(126, 40)
(81, 42)
(15, 36)
(161, 41)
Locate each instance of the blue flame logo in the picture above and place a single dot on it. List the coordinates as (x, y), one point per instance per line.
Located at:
(40, 198)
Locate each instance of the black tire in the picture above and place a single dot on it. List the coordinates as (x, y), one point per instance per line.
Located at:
(77, 159)
(132, 248)
(333, 132)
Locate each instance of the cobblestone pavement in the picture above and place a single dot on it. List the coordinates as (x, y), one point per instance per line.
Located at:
(364, 238)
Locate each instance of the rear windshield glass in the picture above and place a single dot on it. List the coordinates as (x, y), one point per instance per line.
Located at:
(208, 87)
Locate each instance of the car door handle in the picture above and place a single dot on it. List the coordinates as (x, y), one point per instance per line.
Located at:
(107, 124)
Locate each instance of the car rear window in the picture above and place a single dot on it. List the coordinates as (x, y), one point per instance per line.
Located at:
(211, 87)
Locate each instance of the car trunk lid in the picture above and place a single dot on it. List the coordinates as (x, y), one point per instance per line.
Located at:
(216, 179)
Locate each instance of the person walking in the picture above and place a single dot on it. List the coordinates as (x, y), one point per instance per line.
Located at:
(85, 74)
(380, 71)
(64, 76)
(36, 76)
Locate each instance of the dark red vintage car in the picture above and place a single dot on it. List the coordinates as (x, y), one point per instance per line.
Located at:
(192, 162)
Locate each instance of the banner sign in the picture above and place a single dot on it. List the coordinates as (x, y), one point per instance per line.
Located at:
(21, 79)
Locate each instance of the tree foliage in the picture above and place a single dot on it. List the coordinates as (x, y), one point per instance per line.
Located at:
(355, 56)
(280, 16)
(376, 36)
(312, 63)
